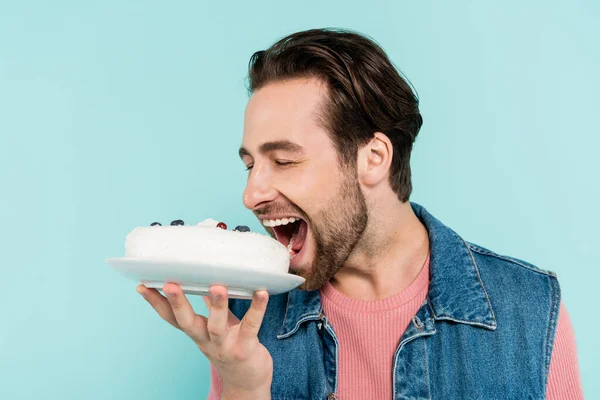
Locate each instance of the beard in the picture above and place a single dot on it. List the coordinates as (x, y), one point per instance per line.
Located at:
(339, 229)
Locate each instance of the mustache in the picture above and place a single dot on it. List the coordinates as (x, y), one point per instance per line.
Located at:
(279, 209)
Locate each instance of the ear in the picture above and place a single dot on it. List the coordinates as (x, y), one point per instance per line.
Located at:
(374, 160)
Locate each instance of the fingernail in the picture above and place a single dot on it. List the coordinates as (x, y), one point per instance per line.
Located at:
(169, 294)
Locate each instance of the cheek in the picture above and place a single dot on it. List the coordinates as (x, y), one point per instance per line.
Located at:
(310, 188)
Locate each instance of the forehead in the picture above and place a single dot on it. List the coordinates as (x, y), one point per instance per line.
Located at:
(285, 110)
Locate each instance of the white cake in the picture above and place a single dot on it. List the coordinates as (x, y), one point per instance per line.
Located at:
(207, 244)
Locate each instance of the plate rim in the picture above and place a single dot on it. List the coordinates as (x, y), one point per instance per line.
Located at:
(157, 261)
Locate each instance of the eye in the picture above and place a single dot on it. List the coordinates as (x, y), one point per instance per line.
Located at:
(249, 167)
(283, 163)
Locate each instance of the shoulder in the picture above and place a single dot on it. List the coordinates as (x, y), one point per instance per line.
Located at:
(518, 290)
(488, 258)
(564, 380)
(512, 283)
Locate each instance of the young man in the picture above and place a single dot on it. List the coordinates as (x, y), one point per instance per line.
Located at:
(395, 303)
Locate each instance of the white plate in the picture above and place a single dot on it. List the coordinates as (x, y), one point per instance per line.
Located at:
(195, 278)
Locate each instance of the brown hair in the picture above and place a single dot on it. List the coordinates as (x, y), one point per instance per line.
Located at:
(366, 93)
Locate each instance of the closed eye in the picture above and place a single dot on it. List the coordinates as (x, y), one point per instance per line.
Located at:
(282, 163)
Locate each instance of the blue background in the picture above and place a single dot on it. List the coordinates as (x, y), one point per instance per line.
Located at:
(115, 115)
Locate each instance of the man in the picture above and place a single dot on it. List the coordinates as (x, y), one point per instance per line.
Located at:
(395, 304)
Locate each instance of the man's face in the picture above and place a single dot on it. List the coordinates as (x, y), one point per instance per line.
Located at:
(294, 172)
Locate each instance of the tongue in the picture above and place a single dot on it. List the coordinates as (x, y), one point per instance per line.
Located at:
(300, 237)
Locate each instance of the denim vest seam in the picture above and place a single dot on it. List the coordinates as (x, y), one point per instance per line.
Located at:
(305, 318)
(460, 245)
(337, 345)
(402, 343)
(477, 324)
(287, 307)
(487, 298)
(430, 306)
(551, 334)
(426, 370)
(512, 260)
(443, 318)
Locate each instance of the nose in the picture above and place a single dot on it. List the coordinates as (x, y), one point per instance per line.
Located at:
(259, 188)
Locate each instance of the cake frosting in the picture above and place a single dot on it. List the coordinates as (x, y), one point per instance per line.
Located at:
(205, 243)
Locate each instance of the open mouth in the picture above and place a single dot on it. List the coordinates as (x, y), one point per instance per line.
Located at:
(291, 232)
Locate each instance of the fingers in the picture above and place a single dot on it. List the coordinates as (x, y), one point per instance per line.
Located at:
(232, 319)
(218, 319)
(252, 321)
(159, 303)
(176, 310)
(189, 322)
(206, 301)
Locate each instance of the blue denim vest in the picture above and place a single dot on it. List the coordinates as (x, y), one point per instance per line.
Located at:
(485, 330)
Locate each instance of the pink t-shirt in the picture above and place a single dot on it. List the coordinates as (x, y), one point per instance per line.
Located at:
(365, 366)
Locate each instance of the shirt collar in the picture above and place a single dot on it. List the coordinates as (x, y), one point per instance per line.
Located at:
(456, 292)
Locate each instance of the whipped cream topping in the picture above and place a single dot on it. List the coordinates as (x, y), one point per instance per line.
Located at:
(209, 223)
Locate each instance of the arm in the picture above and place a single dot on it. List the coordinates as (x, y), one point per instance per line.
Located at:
(216, 384)
(564, 381)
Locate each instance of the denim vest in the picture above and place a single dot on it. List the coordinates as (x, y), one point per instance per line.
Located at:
(485, 330)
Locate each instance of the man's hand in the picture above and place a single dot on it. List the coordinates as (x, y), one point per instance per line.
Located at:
(231, 345)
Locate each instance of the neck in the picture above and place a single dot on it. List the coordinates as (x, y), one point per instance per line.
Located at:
(391, 258)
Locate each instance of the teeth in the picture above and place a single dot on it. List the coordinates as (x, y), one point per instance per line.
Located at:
(277, 222)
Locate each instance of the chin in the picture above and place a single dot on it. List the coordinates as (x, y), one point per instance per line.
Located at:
(305, 272)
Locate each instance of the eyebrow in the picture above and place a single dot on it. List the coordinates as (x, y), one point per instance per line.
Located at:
(267, 147)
